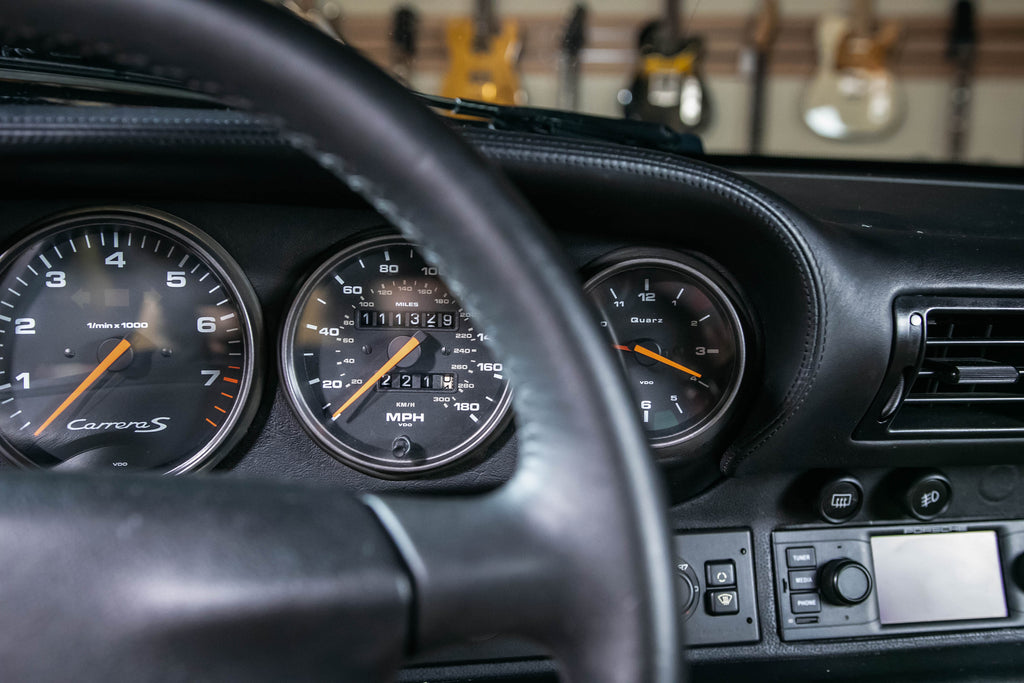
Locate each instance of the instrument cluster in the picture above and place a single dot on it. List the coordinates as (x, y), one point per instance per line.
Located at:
(130, 340)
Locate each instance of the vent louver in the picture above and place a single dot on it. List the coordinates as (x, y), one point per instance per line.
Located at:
(956, 371)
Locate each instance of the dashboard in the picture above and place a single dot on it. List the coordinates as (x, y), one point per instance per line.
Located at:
(824, 356)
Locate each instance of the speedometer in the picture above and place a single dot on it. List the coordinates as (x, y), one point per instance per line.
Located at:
(383, 366)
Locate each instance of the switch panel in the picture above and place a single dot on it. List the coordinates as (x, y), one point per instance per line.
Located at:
(720, 603)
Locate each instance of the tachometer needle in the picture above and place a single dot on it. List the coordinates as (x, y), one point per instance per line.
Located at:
(406, 349)
(111, 357)
(661, 359)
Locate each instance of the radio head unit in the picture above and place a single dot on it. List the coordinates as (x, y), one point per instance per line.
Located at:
(876, 581)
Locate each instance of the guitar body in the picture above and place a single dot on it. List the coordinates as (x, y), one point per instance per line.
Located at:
(667, 87)
(483, 72)
(853, 96)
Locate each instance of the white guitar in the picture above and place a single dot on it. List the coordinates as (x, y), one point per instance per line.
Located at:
(854, 95)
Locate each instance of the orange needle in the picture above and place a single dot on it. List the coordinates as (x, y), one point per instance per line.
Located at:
(620, 347)
(384, 369)
(116, 353)
(661, 359)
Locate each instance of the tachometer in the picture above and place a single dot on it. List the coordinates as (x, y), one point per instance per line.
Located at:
(679, 338)
(128, 341)
(384, 368)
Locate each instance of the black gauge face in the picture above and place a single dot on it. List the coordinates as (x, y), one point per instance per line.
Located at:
(125, 344)
(384, 367)
(679, 339)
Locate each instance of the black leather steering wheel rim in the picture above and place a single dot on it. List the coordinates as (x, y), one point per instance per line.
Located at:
(574, 551)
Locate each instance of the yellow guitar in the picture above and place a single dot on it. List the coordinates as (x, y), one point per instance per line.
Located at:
(482, 58)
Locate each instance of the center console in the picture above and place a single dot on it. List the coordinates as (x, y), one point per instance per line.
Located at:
(890, 580)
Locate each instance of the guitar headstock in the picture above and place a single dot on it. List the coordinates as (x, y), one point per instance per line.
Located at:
(765, 26)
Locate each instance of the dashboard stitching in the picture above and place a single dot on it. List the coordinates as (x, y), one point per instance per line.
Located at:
(768, 210)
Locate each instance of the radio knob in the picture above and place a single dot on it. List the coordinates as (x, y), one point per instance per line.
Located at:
(845, 582)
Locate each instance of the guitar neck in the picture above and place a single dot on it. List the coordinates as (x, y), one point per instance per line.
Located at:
(485, 24)
(761, 38)
(961, 50)
(672, 29)
(862, 17)
(569, 60)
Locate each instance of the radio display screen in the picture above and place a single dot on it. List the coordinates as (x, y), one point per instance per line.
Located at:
(938, 577)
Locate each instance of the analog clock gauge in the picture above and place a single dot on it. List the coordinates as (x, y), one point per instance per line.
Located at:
(128, 341)
(678, 336)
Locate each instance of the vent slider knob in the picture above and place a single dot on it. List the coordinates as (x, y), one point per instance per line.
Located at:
(973, 371)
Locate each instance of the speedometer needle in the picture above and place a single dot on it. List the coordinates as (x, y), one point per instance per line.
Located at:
(111, 357)
(661, 359)
(406, 349)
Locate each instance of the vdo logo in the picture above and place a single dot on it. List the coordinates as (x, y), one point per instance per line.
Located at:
(155, 424)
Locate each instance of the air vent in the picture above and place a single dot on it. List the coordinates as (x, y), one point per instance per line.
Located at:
(956, 371)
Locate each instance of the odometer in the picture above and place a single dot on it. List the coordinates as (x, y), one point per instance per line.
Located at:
(127, 342)
(383, 366)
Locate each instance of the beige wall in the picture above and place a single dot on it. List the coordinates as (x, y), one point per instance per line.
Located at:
(996, 125)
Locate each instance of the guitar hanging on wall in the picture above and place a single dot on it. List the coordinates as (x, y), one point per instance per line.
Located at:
(854, 95)
(482, 57)
(761, 35)
(962, 50)
(569, 60)
(404, 26)
(668, 87)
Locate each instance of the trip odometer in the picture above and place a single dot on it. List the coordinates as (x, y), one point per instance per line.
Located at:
(383, 366)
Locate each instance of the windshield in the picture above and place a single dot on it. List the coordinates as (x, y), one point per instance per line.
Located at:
(908, 80)
(938, 81)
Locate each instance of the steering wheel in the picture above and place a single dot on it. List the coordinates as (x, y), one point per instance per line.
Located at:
(157, 578)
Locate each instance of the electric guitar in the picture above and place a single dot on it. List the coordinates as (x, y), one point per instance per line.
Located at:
(482, 56)
(759, 42)
(569, 60)
(854, 95)
(667, 87)
(962, 49)
(403, 42)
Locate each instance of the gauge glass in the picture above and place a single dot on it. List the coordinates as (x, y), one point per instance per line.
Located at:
(384, 367)
(679, 339)
(126, 343)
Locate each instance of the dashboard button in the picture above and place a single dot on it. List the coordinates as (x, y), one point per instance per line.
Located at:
(840, 500)
(798, 558)
(720, 574)
(723, 602)
(803, 580)
(929, 496)
(805, 603)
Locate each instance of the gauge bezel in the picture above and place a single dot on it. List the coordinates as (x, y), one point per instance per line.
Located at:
(724, 295)
(368, 464)
(220, 261)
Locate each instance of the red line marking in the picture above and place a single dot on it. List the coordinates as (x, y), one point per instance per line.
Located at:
(231, 379)
(211, 422)
(228, 395)
(220, 409)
